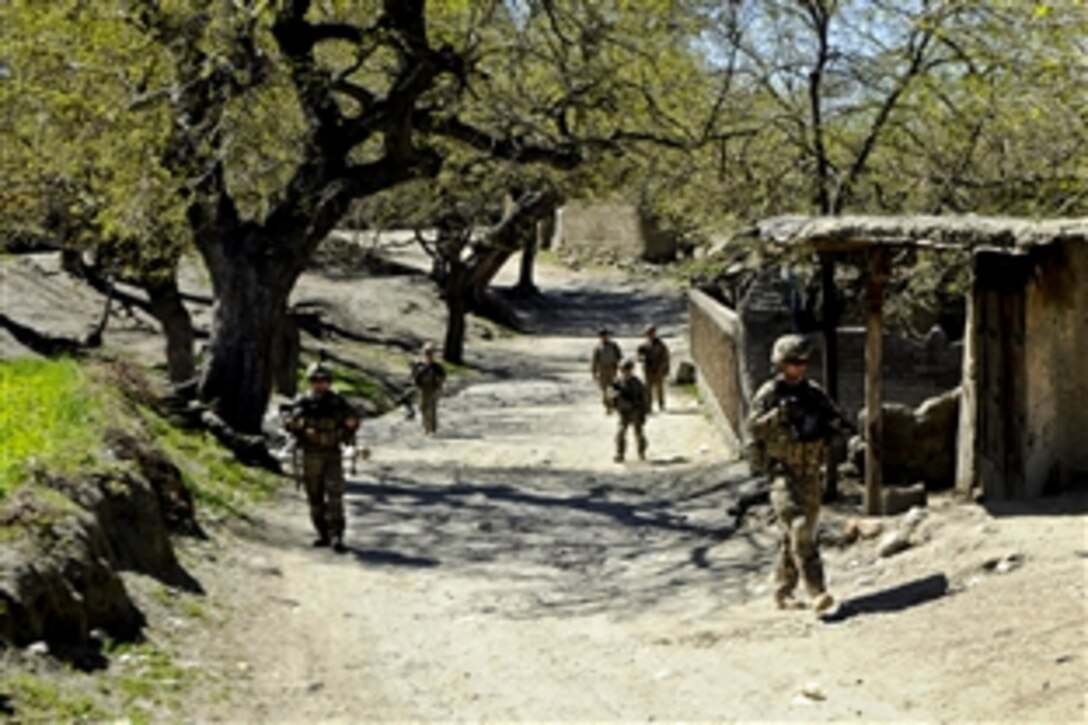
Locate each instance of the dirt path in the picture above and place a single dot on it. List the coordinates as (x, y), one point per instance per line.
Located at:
(508, 570)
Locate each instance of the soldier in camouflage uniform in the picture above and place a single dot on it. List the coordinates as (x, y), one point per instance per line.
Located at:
(606, 361)
(654, 354)
(322, 420)
(791, 423)
(628, 396)
(430, 377)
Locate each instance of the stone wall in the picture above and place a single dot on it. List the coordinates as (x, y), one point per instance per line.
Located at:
(717, 345)
(611, 230)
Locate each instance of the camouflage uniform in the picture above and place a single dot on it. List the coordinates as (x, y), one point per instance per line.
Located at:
(628, 396)
(429, 377)
(321, 423)
(606, 362)
(790, 425)
(654, 355)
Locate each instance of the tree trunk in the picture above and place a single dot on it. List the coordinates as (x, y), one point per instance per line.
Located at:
(526, 284)
(166, 306)
(251, 291)
(482, 269)
(286, 354)
(453, 349)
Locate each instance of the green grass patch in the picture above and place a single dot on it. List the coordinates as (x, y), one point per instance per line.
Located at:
(353, 383)
(51, 415)
(456, 371)
(147, 678)
(36, 700)
(691, 389)
(356, 385)
(217, 480)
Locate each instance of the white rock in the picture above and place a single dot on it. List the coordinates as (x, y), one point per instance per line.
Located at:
(1009, 562)
(893, 543)
(38, 649)
(261, 565)
(915, 516)
(813, 692)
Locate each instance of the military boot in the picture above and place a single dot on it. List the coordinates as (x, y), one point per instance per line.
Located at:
(823, 603)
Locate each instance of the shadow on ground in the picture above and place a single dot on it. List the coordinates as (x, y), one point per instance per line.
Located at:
(568, 543)
(582, 312)
(896, 599)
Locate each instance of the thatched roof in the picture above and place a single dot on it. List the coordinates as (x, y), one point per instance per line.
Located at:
(855, 233)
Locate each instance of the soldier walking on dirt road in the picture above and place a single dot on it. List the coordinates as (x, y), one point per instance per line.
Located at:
(322, 420)
(606, 361)
(628, 396)
(654, 354)
(791, 422)
(430, 377)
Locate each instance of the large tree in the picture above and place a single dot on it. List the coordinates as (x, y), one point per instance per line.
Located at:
(360, 90)
(370, 92)
(81, 168)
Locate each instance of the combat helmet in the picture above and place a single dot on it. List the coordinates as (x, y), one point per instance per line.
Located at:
(318, 371)
(790, 348)
(627, 364)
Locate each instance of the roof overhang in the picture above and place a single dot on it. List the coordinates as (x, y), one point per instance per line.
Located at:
(861, 233)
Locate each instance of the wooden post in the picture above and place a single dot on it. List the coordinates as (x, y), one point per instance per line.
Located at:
(875, 283)
(829, 319)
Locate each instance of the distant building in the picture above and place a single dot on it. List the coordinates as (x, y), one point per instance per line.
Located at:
(615, 230)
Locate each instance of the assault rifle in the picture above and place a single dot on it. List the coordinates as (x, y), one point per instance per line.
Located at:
(287, 411)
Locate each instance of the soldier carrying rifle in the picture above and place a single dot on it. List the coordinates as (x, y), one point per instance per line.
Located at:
(791, 423)
(321, 421)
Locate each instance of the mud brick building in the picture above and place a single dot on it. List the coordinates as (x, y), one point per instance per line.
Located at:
(1020, 365)
(619, 231)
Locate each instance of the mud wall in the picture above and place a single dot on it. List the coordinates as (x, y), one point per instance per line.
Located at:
(1056, 348)
(610, 230)
(717, 349)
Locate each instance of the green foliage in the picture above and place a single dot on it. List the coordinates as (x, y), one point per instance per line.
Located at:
(83, 137)
(37, 700)
(151, 678)
(51, 415)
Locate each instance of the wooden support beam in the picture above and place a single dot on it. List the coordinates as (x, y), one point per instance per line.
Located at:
(877, 274)
(829, 320)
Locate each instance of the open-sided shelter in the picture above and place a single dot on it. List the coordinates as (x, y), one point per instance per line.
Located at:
(1024, 411)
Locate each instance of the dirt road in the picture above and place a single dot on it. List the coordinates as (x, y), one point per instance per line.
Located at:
(508, 570)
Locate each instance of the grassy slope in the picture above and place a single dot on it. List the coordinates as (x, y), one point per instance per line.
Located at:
(49, 415)
(52, 416)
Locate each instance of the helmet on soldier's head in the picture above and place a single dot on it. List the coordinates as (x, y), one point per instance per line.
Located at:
(628, 364)
(318, 371)
(651, 329)
(429, 349)
(604, 332)
(790, 348)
